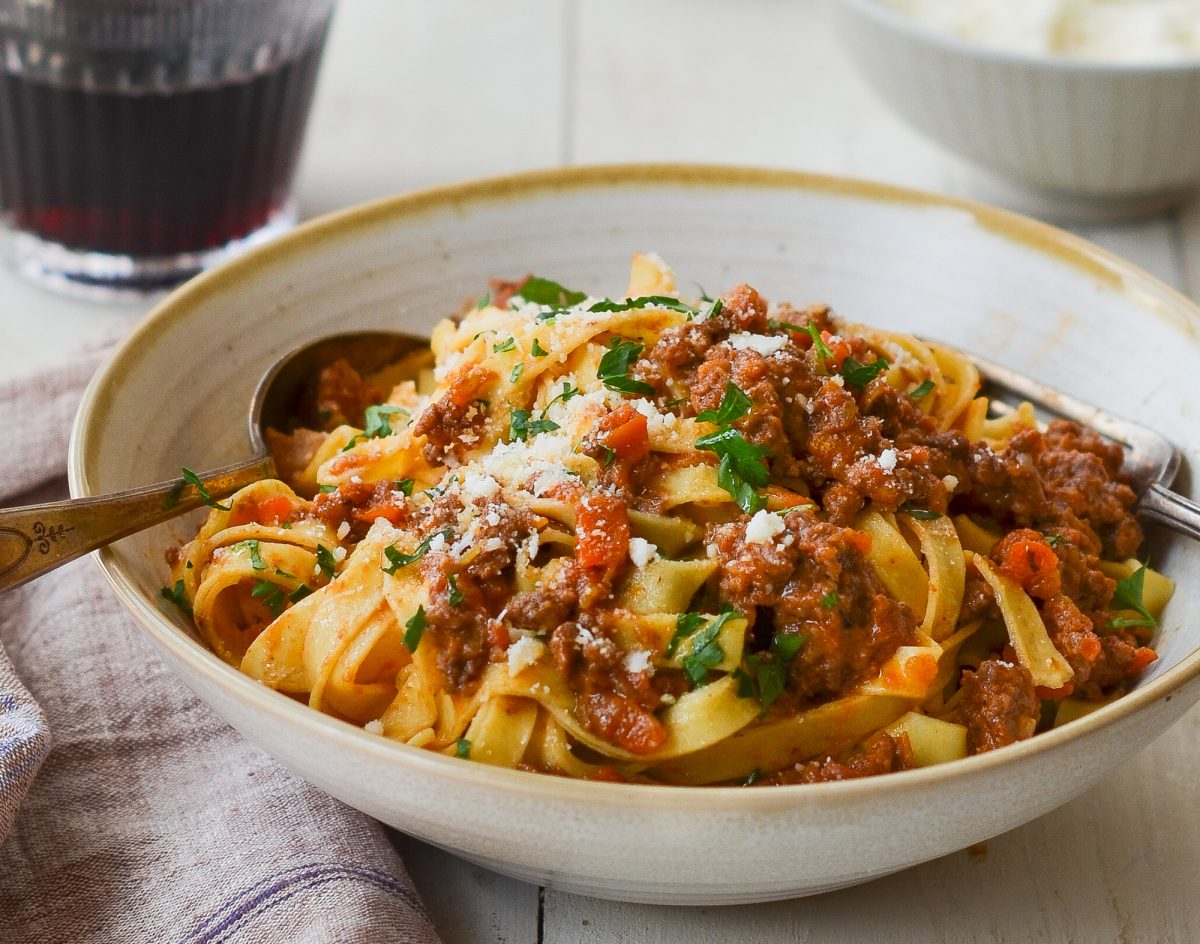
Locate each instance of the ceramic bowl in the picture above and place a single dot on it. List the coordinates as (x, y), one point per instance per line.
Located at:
(1097, 138)
(176, 392)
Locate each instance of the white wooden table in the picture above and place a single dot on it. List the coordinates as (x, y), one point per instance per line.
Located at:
(416, 93)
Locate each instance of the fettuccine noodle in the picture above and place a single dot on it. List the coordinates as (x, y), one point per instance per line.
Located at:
(692, 542)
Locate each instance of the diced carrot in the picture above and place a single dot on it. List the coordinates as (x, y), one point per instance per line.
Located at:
(601, 531)
(1142, 657)
(498, 636)
(859, 540)
(1054, 694)
(1033, 565)
(624, 432)
(268, 511)
(780, 497)
(467, 386)
(840, 349)
(392, 513)
(609, 774)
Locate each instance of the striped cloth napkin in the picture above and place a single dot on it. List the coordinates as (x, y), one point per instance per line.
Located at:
(129, 811)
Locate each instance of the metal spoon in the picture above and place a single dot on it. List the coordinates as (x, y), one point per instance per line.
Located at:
(38, 538)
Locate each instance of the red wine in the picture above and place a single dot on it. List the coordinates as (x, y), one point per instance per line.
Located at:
(152, 173)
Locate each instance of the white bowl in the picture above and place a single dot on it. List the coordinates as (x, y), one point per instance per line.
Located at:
(1028, 295)
(1099, 138)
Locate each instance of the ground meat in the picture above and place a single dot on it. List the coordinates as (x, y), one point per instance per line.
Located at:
(777, 386)
(293, 452)
(999, 705)
(342, 396)
(1100, 661)
(1081, 474)
(1064, 478)
(879, 754)
(679, 351)
(621, 721)
(358, 505)
(467, 633)
(451, 424)
(819, 585)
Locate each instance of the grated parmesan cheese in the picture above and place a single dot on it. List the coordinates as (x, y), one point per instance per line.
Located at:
(373, 727)
(637, 662)
(641, 551)
(343, 530)
(764, 344)
(887, 460)
(763, 527)
(950, 481)
(523, 653)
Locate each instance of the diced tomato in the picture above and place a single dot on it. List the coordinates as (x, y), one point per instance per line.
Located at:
(624, 432)
(1033, 565)
(1054, 694)
(621, 721)
(268, 511)
(601, 531)
(859, 540)
(1142, 657)
(467, 386)
(609, 774)
(840, 348)
(497, 635)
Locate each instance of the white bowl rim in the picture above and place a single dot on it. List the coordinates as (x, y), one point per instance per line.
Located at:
(915, 29)
(1066, 247)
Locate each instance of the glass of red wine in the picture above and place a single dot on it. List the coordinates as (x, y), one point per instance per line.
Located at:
(142, 141)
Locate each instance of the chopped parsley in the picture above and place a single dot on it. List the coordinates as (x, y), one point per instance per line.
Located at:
(504, 346)
(255, 549)
(768, 677)
(537, 349)
(414, 628)
(325, 561)
(858, 375)
(484, 302)
(645, 301)
(1054, 540)
(326, 489)
(1129, 596)
(831, 601)
(925, 388)
(516, 373)
(178, 596)
(753, 777)
(921, 514)
(398, 560)
(687, 624)
(547, 292)
(742, 469)
(404, 487)
(734, 405)
(456, 596)
(706, 653)
(717, 307)
(608, 455)
(462, 748)
(270, 594)
(615, 364)
(521, 426)
(377, 420)
(300, 593)
(775, 325)
(194, 480)
(565, 395)
(819, 345)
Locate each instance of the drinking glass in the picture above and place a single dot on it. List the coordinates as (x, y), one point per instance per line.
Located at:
(142, 141)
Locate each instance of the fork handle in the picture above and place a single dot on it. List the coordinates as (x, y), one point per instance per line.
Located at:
(1172, 509)
(38, 538)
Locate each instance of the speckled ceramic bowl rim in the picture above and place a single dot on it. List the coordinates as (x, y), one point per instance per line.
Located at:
(309, 237)
(896, 20)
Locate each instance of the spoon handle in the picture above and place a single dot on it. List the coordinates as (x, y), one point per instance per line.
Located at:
(38, 538)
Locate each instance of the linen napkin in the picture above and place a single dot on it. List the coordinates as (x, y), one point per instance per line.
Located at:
(132, 812)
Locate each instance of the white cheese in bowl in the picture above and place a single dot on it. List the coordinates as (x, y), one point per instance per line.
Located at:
(1103, 30)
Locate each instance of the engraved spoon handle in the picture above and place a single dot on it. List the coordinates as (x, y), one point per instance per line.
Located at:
(38, 538)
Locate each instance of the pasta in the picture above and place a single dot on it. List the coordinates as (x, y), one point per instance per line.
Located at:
(664, 541)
